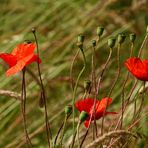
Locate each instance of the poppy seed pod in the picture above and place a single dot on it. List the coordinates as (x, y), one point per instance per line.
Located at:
(93, 43)
(80, 45)
(111, 42)
(81, 38)
(68, 109)
(132, 37)
(87, 84)
(100, 30)
(121, 38)
(83, 116)
(33, 29)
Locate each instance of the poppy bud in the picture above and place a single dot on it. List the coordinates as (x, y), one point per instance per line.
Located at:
(33, 29)
(81, 38)
(111, 42)
(68, 109)
(132, 37)
(87, 84)
(83, 116)
(80, 45)
(94, 43)
(100, 30)
(121, 38)
(27, 41)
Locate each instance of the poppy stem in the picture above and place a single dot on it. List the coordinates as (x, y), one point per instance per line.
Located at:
(48, 130)
(71, 68)
(142, 45)
(142, 101)
(118, 61)
(63, 129)
(75, 88)
(74, 137)
(98, 88)
(23, 108)
(95, 85)
(124, 84)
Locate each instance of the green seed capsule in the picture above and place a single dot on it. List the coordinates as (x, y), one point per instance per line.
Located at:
(87, 84)
(93, 43)
(81, 38)
(121, 38)
(100, 30)
(83, 116)
(111, 42)
(132, 37)
(68, 109)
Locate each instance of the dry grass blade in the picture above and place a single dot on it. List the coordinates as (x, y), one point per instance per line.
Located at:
(10, 94)
(110, 135)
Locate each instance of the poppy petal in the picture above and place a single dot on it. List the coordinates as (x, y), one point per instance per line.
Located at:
(101, 106)
(138, 68)
(18, 67)
(85, 105)
(86, 123)
(8, 58)
(23, 50)
(22, 63)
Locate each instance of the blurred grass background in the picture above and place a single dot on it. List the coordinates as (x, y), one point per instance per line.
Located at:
(58, 23)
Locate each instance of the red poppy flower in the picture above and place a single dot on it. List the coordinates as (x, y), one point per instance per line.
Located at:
(138, 68)
(87, 105)
(20, 57)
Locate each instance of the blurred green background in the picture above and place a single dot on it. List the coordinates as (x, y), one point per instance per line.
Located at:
(58, 24)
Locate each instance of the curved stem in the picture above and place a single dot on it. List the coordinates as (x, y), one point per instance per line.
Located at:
(75, 88)
(124, 84)
(98, 88)
(48, 131)
(143, 43)
(65, 120)
(71, 68)
(23, 108)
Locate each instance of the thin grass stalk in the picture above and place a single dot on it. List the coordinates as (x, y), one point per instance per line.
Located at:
(48, 130)
(98, 88)
(23, 108)
(75, 89)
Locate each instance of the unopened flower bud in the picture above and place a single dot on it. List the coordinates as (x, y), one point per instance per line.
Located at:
(83, 116)
(81, 38)
(132, 37)
(121, 38)
(94, 43)
(100, 30)
(87, 84)
(147, 29)
(111, 42)
(68, 109)
(33, 29)
(27, 41)
(80, 45)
